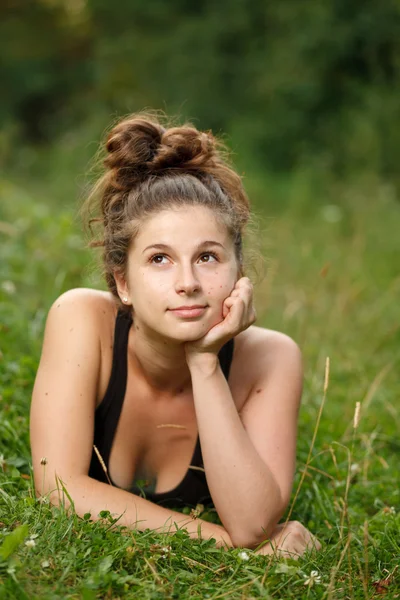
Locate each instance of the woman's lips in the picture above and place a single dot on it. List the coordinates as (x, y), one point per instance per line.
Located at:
(187, 313)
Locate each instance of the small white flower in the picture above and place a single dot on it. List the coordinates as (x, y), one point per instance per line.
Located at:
(243, 555)
(30, 543)
(167, 551)
(44, 564)
(338, 483)
(43, 499)
(312, 579)
(389, 510)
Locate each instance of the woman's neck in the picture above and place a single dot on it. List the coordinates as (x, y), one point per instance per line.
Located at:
(160, 362)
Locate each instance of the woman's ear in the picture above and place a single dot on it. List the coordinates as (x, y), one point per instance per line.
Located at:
(122, 287)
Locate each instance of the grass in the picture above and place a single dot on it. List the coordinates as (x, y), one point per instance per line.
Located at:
(333, 284)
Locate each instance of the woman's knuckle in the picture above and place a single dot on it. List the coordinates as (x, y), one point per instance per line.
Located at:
(297, 528)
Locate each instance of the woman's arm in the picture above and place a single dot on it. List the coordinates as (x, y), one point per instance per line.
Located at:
(62, 424)
(249, 459)
(91, 496)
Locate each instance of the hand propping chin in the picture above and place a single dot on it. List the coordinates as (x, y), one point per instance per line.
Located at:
(238, 314)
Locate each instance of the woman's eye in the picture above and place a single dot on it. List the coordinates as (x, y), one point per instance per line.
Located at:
(208, 256)
(157, 259)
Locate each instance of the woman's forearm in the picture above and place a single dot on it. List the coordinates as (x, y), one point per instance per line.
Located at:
(92, 496)
(244, 491)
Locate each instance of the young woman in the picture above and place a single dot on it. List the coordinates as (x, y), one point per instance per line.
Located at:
(161, 392)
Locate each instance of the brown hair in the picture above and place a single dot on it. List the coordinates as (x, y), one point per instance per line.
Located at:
(152, 167)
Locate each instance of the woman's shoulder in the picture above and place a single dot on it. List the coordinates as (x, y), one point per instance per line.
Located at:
(96, 308)
(98, 302)
(258, 353)
(255, 339)
(266, 348)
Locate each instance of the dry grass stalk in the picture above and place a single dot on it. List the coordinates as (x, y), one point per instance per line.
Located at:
(153, 570)
(356, 418)
(336, 568)
(376, 384)
(321, 472)
(321, 408)
(195, 562)
(343, 500)
(103, 464)
(173, 425)
(373, 388)
(197, 468)
(368, 443)
(326, 379)
(362, 577)
(345, 512)
(351, 592)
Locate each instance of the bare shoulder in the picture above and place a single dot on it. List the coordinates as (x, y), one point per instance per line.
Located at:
(80, 314)
(83, 303)
(86, 299)
(260, 353)
(265, 347)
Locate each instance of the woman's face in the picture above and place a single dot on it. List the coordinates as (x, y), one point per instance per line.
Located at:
(182, 257)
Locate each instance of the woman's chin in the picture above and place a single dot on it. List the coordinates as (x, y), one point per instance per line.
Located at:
(188, 336)
(190, 331)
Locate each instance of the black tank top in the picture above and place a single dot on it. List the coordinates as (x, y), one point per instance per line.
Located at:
(193, 488)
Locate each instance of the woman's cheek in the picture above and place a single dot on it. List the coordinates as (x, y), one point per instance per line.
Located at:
(217, 299)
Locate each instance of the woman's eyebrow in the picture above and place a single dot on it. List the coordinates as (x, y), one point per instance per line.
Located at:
(166, 247)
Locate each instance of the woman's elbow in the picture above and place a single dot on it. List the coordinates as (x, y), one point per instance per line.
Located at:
(257, 531)
(251, 538)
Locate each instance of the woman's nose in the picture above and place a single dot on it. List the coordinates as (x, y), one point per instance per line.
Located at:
(187, 281)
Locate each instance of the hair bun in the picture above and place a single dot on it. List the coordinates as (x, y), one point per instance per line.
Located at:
(184, 148)
(142, 145)
(133, 143)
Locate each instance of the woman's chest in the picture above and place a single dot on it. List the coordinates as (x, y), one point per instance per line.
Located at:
(156, 434)
(154, 440)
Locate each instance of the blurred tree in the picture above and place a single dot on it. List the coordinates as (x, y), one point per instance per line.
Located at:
(44, 64)
(290, 81)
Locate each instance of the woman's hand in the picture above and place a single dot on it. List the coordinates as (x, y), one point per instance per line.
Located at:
(290, 540)
(238, 314)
